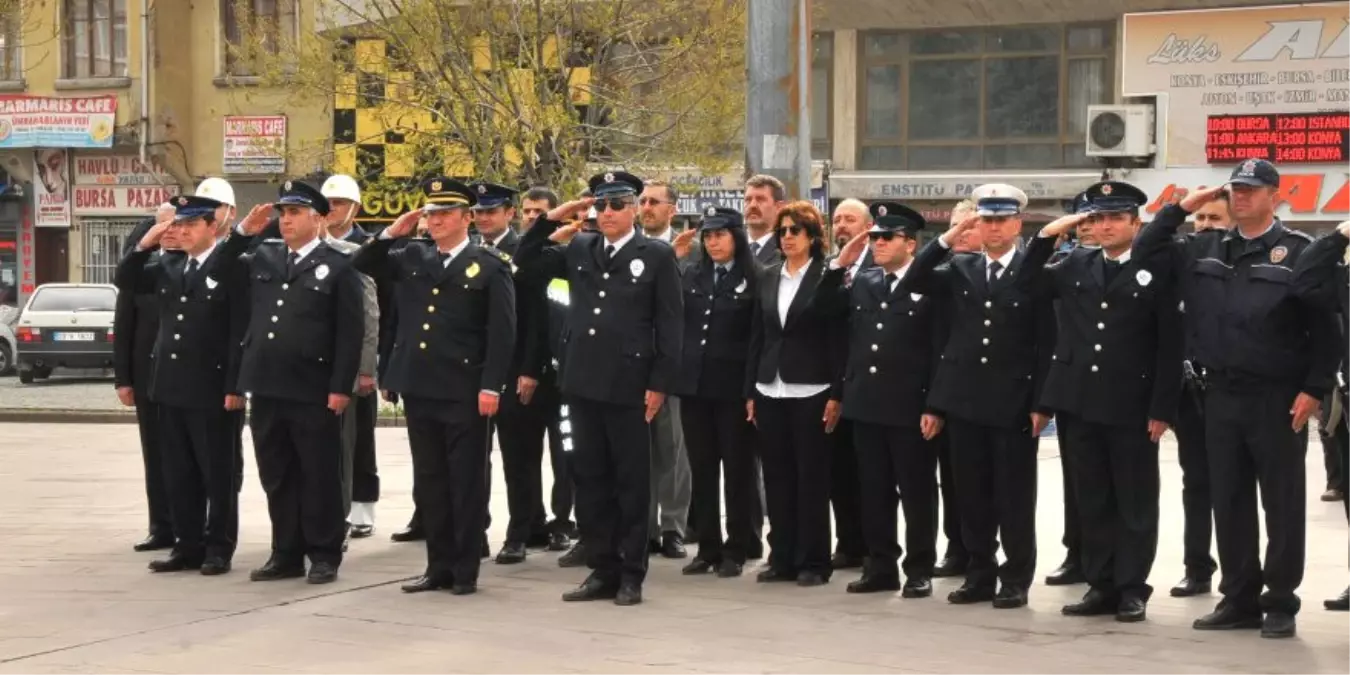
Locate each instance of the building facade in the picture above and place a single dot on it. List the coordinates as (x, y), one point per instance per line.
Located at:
(109, 107)
(925, 101)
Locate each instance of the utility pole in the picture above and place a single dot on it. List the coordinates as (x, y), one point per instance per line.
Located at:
(778, 109)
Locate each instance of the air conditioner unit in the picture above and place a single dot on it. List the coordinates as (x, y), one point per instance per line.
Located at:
(1120, 131)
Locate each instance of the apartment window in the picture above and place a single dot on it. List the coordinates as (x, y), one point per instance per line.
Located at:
(1012, 97)
(254, 27)
(10, 47)
(822, 93)
(95, 38)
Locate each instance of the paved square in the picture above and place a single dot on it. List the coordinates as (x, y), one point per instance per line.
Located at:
(74, 597)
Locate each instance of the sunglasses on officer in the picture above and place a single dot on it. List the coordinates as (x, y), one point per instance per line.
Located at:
(612, 204)
(882, 236)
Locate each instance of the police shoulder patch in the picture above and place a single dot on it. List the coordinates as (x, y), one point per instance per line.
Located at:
(497, 253)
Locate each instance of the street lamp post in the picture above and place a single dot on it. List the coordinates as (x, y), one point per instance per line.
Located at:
(778, 109)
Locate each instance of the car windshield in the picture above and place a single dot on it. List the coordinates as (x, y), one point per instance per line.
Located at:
(74, 299)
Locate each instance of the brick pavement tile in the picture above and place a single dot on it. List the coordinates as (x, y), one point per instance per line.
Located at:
(73, 588)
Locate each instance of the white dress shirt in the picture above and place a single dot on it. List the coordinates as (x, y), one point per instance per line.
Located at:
(788, 285)
(618, 245)
(201, 259)
(454, 252)
(1004, 260)
(307, 249)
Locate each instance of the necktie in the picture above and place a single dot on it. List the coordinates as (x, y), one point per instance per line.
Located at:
(719, 273)
(191, 272)
(609, 253)
(291, 261)
(994, 268)
(754, 248)
(1112, 269)
(444, 256)
(890, 281)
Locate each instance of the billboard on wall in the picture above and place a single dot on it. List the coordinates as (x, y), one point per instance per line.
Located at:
(1307, 194)
(1289, 58)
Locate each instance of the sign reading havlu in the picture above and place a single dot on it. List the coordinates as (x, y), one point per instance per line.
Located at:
(1290, 58)
(255, 144)
(50, 122)
(113, 185)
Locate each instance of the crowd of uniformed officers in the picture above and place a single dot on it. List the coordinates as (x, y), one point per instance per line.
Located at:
(818, 367)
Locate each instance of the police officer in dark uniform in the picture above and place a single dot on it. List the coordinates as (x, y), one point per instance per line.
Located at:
(135, 325)
(988, 381)
(1114, 382)
(719, 299)
(451, 362)
(203, 313)
(895, 338)
(1268, 357)
(302, 351)
(622, 351)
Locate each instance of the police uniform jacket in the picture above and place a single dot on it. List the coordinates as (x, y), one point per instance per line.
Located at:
(456, 323)
(202, 321)
(1117, 358)
(135, 325)
(1322, 278)
(809, 348)
(624, 319)
(305, 328)
(544, 330)
(528, 298)
(895, 338)
(716, 333)
(1002, 333)
(1249, 323)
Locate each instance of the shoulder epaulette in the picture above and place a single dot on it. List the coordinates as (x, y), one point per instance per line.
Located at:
(1299, 233)
(497, 253)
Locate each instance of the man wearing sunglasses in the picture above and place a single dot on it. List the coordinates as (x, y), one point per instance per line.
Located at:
(620, 357)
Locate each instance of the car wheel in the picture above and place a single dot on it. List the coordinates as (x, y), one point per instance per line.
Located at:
(26, 376)
(6, 359)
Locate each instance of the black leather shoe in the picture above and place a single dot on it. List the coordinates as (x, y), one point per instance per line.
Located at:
(880, 583)
(409, 533)
(653, 546)
(557, 541)
(362, 531)
(1279, 625)
(463, 589)
(1010, 598)
(592, 589)
(1340, 603)
(175, 563)
(672, 546)
(698, 566)
(969, 595)
(322, 573)
(809, 579)
(1190, 586)
(274, 571)
(576, 557)
(755, 551)
(917, 587)
(1132, 610)
(629, 594)
(153, 543)
(567, 529)
(729, 569)
(423, 584)
(511, 554)
(1228, 618)
(772, 575)
(215, 565)
(1333, 495)
(1068, 574)
(950, 567)
(844, 561)
(1094, 603)
(538, 539)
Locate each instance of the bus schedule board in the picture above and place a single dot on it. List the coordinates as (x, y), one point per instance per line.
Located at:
(1283, 138)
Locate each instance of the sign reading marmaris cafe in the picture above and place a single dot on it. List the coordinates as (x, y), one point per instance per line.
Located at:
(1291, 58)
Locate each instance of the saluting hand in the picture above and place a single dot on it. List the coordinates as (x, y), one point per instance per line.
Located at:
(564, 234)
(154, 234)
(1063, 225)
(654, 401)
(405, 224)
(831, 418)
(338, 402)
(1193, 201)
(852, 251)
(1344, 228)
(684, 243)
(256, 220)
(1305, 407)
(955, 231)
(487, 404)
(575, 209)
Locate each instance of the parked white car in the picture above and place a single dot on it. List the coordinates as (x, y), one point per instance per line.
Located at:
(65, 326)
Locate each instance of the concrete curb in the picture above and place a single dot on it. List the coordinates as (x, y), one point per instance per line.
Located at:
(128, 416)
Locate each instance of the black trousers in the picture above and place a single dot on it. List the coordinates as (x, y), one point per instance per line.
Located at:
(1070, 446)
(796, 457)
(1334, 438)
(718, 436)
(365, 468)
(237, 420)
(298, 448)
(1251, 446)
(199, 469)
(951, 511)
(562, 494)
(156, 493)
(897, 467)
(521, 430)
(612, 467)
(1116, 476)
(1196, 502)
(996, 485)
(845, 491)
(449, 441)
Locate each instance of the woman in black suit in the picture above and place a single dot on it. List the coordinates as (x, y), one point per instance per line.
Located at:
(794, 375)
(719, 301)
